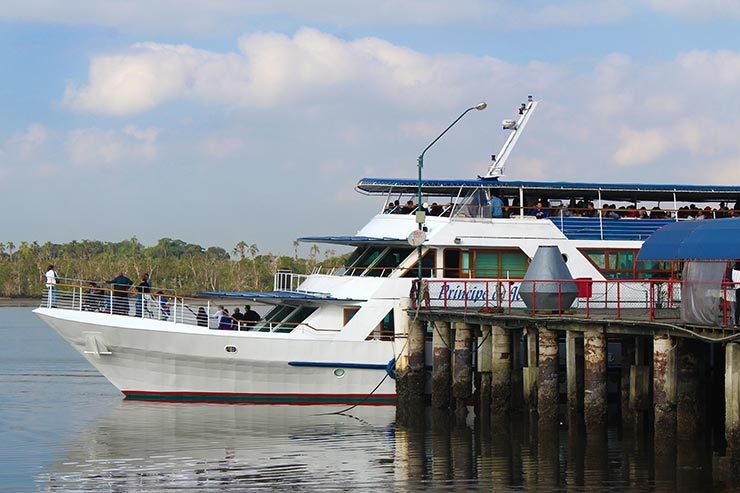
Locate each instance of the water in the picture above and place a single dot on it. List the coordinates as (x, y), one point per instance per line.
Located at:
(65, 428)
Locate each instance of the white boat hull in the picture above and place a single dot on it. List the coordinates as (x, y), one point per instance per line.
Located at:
(156, 360)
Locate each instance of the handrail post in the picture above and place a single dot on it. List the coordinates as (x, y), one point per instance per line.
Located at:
(652, 305)
(486, 296)
(560, 298)
(619, 301)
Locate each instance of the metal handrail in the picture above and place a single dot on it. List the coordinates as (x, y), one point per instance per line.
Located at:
(617, 298)
(81, 295)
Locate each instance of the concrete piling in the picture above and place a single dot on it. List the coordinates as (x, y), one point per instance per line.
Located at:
(594, 380)
(664, 391)
(571, 375)
(547, 380)
(462, 383)
(501, 371)
(625, 370)
(415, 376)
(688, 415)
(517, 397)
(732, 399)
(441, 367)
(485, 360)
(530, 372)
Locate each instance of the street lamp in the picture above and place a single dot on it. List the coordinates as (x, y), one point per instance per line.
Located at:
(420, 214)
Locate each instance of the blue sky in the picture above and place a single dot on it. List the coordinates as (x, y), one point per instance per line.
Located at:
(228, 120)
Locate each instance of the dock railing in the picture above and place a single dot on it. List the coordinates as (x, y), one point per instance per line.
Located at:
(158, 304)
(618, 299)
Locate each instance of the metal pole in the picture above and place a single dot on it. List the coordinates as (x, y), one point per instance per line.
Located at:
(420, 164)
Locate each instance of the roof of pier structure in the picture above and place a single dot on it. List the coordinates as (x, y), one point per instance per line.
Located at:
(718, 239)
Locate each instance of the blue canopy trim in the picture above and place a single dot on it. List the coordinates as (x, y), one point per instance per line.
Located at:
(354, 240)
(715, 239)
(590, 228)
(276, 296)
(565, 190)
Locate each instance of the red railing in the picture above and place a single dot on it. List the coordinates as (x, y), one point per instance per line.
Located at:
(643, 299)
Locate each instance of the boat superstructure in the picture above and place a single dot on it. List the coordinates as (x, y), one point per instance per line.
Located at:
(333, 336)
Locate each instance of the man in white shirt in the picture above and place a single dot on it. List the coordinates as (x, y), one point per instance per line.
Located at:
(51, 285)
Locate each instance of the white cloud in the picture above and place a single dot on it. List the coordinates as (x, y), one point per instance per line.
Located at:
(697, 9)
(27, 142)
(222, 147)
(274, 70)
(95, 147)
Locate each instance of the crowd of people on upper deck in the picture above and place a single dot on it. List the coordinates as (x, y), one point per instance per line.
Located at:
(499, 207)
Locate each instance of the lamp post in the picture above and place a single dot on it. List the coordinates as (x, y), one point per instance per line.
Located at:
(420, 214)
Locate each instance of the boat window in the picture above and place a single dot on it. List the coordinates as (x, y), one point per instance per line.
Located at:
(622, 264)
(365, 257)
(389, 261)
(451, 262)
(385, 330)
(428, 265)
(296, 316)
(480, 263)
(348, 313)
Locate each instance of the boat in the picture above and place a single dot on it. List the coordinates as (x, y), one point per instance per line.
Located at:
(333, 336)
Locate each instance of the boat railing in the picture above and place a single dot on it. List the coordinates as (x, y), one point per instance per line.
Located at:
(288, 281)
(157, 304)
(614, 299)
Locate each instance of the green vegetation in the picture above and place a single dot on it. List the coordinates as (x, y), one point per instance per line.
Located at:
(174, 264)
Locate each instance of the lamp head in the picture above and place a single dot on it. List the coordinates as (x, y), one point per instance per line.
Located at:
(480, 106)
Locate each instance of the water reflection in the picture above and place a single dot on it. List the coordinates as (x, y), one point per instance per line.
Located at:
(153, 446)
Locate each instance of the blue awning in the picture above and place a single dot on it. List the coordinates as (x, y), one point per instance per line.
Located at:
(354, 240)
(711, 239)
(275, 296)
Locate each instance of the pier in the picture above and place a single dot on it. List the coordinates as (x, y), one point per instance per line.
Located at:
(571, 365)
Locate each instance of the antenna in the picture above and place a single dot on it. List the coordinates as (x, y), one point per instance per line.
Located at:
(497, 165)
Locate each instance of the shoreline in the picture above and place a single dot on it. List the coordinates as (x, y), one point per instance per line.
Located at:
(19, 302)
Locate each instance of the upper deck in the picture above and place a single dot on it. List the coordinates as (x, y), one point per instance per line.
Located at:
(581, 211)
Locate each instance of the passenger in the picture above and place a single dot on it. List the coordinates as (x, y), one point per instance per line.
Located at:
(95, 298)
(142, 289)
(497, 206)
(120, 286)
(396, 208)
(590, 210)
(164, 305)
(51, 285)
(657, 213)
(216, 316)
(408, 208)
(389, 209)
(723, 211)
(238, 317)
(225, 322)
(251, 317)
(736, 208)
(435, 210)
(631, 212)
(202, 317)
(736, 281)
(539, 211)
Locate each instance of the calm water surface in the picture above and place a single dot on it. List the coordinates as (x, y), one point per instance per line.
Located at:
(65, 428)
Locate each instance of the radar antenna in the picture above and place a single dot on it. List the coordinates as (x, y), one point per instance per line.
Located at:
(497, 164)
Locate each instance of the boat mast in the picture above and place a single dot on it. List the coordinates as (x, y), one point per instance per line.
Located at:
(525, 111)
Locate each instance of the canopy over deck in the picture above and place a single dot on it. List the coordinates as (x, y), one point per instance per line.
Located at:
(355, 240)
(628, 192)
(276, 297)
(716, 239)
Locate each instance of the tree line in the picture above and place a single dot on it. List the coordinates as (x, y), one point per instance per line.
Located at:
(175, 264)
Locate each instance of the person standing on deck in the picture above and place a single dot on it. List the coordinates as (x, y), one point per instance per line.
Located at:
(251, 317)
(736, 280)
(497, 206)
(51, 285)
(143, 288)
(120, 286)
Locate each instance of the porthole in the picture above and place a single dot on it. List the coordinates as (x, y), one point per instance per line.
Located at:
(230, 349)
(339, 372)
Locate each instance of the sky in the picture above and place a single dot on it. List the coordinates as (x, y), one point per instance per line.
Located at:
(243, 120)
